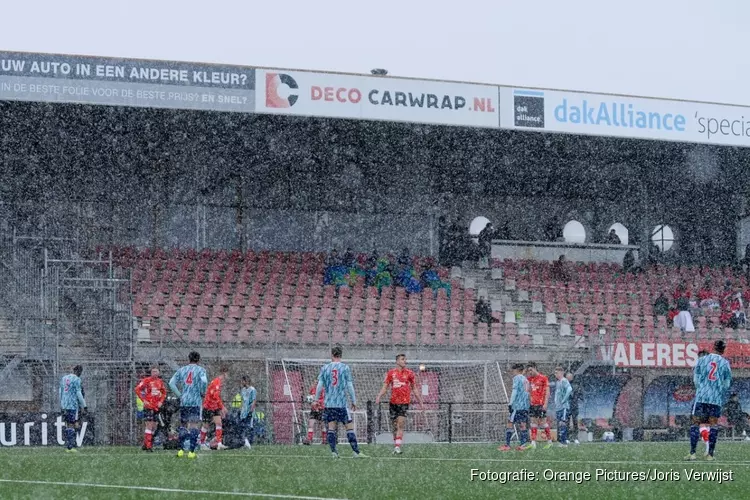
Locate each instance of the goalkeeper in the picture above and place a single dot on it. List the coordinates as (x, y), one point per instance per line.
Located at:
(316, 415)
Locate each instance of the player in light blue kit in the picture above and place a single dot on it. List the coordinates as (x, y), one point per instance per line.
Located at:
(71, 402)
(712, 377)
(518, 410)
(189, 384)
(247, 413)
(336, 378)
(563, 391)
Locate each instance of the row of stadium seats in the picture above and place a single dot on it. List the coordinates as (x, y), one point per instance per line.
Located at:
(279, 297)
(263, 332)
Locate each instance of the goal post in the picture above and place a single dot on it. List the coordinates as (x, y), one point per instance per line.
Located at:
(464, 401)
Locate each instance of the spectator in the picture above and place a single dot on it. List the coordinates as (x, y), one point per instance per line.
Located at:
(661, 305)
(653, 256)
(371, 268)
(333, 259)
(349, 258)
(383, 276)
(485, 245)
(404, 260)
(735, 416)
(431, 279)
(684, 321)
(682, 291)
(561, 270)
(737, 307)
(612, 238)
(407, 278)
(333, 268)
(745, 262)
(628, 262)
(706, 296)
(483, 312)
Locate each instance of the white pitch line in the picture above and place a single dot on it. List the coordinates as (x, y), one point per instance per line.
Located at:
(165, 490)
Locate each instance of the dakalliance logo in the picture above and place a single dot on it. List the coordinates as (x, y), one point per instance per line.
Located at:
(616, 114)
(37, 433)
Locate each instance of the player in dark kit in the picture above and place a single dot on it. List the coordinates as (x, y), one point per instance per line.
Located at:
(316, 415)
(539, 391)
(152, 392)
(402, 382)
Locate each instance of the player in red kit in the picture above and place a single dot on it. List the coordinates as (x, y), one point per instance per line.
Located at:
(316, 415)
(539, 391)
(402, 382)
(152, 392)
(214, 410)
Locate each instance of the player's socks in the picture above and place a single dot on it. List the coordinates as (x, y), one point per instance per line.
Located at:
(219, 433)
(310, 435)
(563, 430)
(70, 438)
(183, 435)
(508, 436)
(524, 436)
(332, 440)
(713, 435)
(533, 432)
(547, 433)
(694, 437)
(194, 433)
(148, 438)
(398, 441)
(202, 438)
(352, 437)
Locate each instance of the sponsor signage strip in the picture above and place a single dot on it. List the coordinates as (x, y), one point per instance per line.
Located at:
(41, 429)
(669, 354)
(376, 98)
(127, 82)
(620, 116)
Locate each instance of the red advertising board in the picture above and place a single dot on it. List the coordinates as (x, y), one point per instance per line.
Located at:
(669, 354)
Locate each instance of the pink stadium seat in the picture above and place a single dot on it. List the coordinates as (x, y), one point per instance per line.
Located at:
(170, 311)
(308, 334)
(153, 311)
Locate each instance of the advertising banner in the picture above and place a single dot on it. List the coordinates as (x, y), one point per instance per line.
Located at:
(669, 354)
(125, 82)
(376, 98)
(41, 429)
(620, 116)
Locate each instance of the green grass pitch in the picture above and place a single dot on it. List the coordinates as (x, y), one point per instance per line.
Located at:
(422, 472)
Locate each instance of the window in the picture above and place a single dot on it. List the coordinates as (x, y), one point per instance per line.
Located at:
(621, 231)
(574, 232)
(477, 225)
(663, 237)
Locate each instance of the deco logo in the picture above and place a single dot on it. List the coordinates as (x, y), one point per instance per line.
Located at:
(273, 82)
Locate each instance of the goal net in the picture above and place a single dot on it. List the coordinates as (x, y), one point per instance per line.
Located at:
(464, 401)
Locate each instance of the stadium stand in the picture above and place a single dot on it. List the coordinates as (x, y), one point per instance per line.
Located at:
(602, 300)
(265, 297)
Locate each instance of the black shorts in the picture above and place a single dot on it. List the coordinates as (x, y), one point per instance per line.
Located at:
(396, 411)
(316, 415)
(537, 411)
(208, 415)
(704, 411)
(150, 415)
